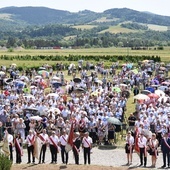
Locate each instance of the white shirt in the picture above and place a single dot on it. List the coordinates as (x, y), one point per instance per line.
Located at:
(55, 139)
(43, 138)
(88, 143)
(142, 142)
(63, 139)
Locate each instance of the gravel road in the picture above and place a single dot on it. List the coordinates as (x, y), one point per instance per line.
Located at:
(105, 157)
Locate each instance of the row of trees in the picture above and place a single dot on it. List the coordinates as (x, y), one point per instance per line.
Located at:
(54, 35)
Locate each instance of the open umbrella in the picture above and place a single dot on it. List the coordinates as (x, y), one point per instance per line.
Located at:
(153, 95)
(55, 78)
(2, 73)
(77, 80)
(159, 92)
(146, 92)
(31, 109)
(123, 85)
(151, 89)
(41, 68)
(80, 90)
(116, 89)
(114, 121)
(55, 95)
(35, 118)
(43, 73)
(141, 97)
(165, 83)
(98, 81)
(56, 84)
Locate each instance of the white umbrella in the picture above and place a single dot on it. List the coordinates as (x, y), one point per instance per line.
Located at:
(37, 77)
(123, 85)
(31, 87)
(52, 95)
(2, 73)
(159, 92)
(24, 78)
(99, 81)
(141, 97)
(35, 118)
(55, 78)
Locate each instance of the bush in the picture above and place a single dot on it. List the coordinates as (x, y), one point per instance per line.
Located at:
(5, 163)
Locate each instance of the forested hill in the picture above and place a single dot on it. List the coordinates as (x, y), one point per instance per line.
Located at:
(43, 15)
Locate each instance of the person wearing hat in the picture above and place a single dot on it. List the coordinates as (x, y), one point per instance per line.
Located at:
(76, 146)
(54, 147)
(87, 146)
(30, 140)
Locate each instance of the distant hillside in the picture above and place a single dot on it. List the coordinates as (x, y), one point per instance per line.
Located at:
(43, 15)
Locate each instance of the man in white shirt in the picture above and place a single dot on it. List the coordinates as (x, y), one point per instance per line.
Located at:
(30, 140)
(44, 140)
(143, 152)
(87, 146)
(63, 142)
(54, 148)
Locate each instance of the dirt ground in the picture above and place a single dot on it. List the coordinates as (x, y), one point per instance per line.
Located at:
(65, 167)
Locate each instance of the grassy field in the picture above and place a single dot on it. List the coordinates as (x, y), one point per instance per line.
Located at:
(164, 54)
(157, 27)
(118, 29)
(83, 27)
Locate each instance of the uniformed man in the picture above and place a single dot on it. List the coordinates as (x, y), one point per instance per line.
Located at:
(54, 147)
(76, 147)
(44, 140)
(87, 146)
(63, 142)
(30, 140)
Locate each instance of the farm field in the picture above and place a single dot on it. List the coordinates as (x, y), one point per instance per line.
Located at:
(164, 54)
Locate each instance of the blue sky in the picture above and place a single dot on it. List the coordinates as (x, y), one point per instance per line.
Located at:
(155, 6)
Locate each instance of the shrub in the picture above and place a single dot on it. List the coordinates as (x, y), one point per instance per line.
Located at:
(5, 163)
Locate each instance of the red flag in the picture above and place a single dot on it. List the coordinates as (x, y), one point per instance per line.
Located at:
(70, 139)
(70, 136)
(136, 141)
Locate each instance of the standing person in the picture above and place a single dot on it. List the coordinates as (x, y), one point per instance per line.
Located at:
(142, 147)
(76, 147)
(129, 147)
(18, 147)
(63, 142)
(9, 138)
(131, 121)
(54, 148)
(165, 148)
(44, 140)
(87, 146)
(30, 140)
(153, 145)
(135, 92)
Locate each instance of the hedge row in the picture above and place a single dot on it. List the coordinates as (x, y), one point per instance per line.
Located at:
(111, 58)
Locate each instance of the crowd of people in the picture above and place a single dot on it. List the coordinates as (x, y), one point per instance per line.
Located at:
(86, 104)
